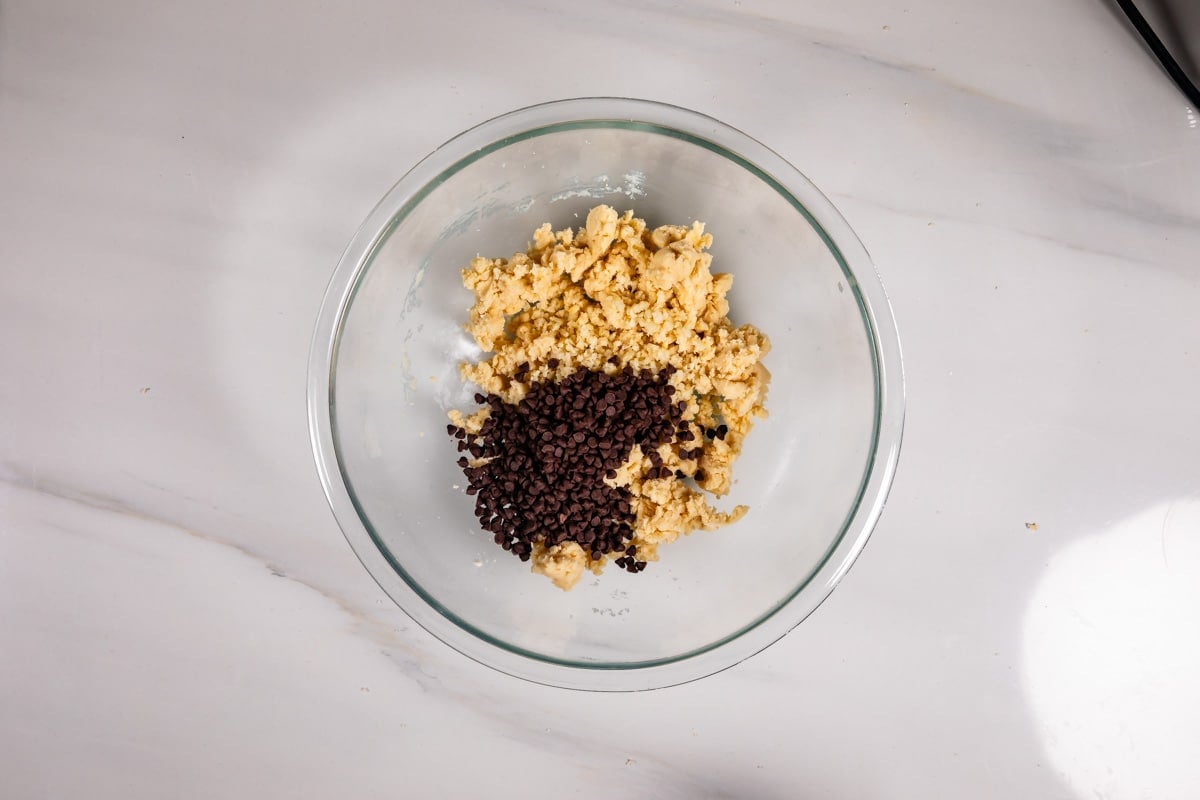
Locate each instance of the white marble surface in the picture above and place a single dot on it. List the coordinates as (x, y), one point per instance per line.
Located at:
(179, 614)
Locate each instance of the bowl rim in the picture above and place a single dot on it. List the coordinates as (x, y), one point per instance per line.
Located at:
(862, 279)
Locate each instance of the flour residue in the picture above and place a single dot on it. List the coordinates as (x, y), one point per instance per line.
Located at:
(631, 184)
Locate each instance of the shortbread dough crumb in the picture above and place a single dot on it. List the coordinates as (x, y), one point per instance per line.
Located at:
(616, 294)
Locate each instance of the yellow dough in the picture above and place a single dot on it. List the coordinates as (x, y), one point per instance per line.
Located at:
(647, 297)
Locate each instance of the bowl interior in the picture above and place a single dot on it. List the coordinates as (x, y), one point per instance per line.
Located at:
(394, 376)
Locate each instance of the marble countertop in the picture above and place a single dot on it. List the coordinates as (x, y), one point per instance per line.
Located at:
(179, 613)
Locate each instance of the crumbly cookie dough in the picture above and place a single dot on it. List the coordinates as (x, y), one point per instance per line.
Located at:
(612, 294)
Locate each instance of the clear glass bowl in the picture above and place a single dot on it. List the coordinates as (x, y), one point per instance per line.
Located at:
(383, 373)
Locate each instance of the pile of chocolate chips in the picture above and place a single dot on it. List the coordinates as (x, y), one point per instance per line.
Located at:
(540, 464)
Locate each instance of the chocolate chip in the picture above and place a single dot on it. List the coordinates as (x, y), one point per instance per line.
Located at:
(542, 462)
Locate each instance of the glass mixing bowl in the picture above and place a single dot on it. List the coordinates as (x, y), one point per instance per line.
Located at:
(384, 372)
